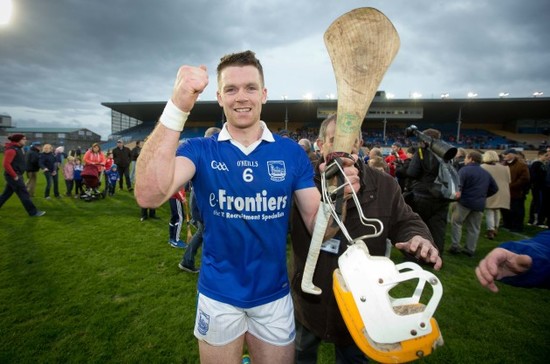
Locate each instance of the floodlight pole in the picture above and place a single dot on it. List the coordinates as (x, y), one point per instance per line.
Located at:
(286, 113)
(459, 122)
(384, 135)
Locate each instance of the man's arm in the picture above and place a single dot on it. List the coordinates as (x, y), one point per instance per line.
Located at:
(158, 172)
(501, 263)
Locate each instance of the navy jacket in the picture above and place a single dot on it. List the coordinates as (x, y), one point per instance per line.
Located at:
(476, 185)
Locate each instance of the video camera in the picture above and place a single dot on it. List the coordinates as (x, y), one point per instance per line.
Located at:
(442, 149)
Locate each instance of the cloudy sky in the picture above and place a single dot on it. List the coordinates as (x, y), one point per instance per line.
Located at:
(59, 59)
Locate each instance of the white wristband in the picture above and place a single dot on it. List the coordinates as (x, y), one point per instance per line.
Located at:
(172, 117)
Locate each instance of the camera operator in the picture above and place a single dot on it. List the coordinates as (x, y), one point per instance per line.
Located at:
(423, 171)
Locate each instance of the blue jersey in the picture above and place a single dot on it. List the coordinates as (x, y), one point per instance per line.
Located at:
(245, 202)
(112, 177)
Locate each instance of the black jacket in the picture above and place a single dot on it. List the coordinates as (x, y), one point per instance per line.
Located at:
(32, 157)
(476, 184)
(122, 156)
(47, 160)
(423, 171)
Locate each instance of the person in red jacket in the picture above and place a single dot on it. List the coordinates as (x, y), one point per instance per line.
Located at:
(397, 155)
(14, 167)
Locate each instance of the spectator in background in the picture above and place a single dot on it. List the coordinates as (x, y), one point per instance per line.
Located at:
(501, 199)
(109, 161)
(401, 171)
(187, 262)
(14, 167)
(458, 160)
(523, 263)
(59, 154)
(378, 163)
(96, 157)
(135, 154)
(48, 165)
(405, 182)
(177, 210)
(31, 159)
(476, 185)
(111, 178)
(78, 190)
(366, 151)
(519, 174)
(123, 156)
(396, 157)
(375, 152)
(68, 174)
(423, 170)
(306, 146)
(148, 213)
(537, 173)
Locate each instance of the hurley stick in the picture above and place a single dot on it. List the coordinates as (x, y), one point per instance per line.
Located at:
(361, 44)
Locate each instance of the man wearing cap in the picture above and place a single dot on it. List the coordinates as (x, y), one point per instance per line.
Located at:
(31, 158)
(519, 173)
(123, 156)
(14, 167)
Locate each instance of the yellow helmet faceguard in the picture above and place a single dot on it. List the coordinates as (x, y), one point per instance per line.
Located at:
(386, 329)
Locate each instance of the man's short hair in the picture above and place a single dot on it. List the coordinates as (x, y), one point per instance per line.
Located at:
(211, 131)
(326, 122)
(474, 156)
(434, 133)
(246, 58)
(305, 143)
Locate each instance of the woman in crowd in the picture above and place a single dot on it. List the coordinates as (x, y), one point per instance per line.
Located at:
(48, 165)
(96, 157)
(501, 199)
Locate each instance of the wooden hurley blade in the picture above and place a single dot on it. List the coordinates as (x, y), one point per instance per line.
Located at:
(361, 44)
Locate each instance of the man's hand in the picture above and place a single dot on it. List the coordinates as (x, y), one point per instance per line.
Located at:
(350, 170)
(190, 82)
(500, 263)
(422, 249)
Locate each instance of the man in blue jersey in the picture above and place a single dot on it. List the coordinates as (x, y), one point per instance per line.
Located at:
(245, 179)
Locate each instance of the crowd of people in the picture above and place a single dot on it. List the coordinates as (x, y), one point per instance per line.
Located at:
(250, 185)
(24, 164)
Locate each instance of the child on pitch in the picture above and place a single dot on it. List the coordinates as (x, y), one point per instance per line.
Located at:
(68, 174)
(177, 204)
(112, 178)
(78, 167)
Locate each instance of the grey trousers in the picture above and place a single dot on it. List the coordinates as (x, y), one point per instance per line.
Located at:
(471, 220)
